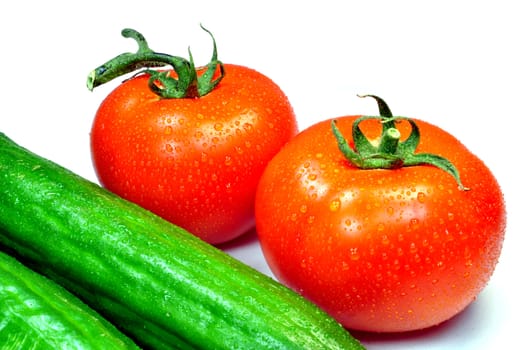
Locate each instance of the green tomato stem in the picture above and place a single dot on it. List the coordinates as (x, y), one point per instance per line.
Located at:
(389, 141)
(188, 83)
(390, 153)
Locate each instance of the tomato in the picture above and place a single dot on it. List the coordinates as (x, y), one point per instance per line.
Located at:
(382, 250)
(194, 161)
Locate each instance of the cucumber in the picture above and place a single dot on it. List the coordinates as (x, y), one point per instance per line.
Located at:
(38, 314)
(163, 286)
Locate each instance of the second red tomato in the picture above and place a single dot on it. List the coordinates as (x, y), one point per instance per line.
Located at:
(381, 250)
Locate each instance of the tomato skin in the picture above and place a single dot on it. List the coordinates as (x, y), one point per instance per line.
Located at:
(193, 161)
(380, 250)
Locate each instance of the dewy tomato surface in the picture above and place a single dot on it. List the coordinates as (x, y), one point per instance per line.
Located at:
(194, 159)
(379, 249)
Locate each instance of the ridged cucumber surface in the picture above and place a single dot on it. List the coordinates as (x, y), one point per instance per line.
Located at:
(39, 314)
(162, 285)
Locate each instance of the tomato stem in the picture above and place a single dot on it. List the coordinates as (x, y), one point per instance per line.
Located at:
(390, 152)
(188, 82)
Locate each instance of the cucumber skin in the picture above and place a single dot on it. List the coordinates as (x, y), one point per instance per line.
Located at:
(39, 314)
(162, 285)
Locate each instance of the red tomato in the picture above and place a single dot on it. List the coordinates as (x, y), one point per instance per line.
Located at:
(194, 161)
(380, 250)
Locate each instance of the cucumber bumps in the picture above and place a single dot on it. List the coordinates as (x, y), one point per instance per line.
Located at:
(39, 314)
(166, 288)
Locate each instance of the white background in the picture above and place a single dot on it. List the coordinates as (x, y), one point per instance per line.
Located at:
(458, 64)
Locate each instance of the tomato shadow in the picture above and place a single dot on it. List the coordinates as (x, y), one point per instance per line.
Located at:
(249, 238)
(462, 331)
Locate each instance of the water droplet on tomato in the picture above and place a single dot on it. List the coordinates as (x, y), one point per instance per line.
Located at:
(421, 197)
(168, 130)
(334, 205)
(354, 254)
(228, 161)
(248, 127)
(303, 208)
(396, 265)
(218, 126)
(380, 228)
(303, 263)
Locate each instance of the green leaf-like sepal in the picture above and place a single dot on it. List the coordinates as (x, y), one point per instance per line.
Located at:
(390, 152)
(187, 82)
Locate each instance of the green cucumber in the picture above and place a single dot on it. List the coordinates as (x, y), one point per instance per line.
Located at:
(163, 286)
(39, 314)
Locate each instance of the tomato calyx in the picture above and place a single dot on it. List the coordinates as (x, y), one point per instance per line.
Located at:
(389, 152)
(188, 82)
